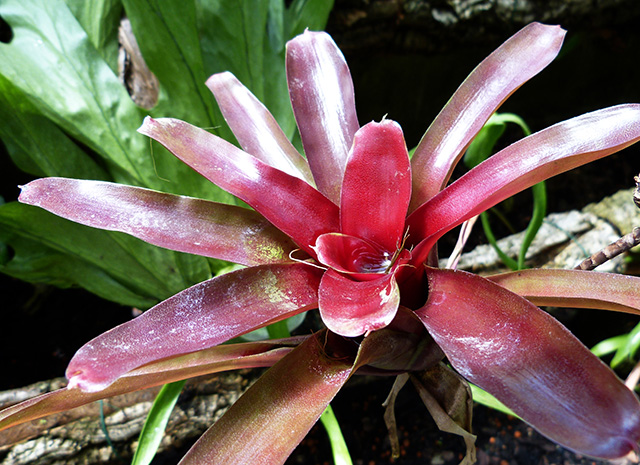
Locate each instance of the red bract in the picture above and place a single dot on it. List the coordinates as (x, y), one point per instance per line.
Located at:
(347, 230)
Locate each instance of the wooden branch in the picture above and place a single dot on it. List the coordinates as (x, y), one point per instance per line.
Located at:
(77, 438)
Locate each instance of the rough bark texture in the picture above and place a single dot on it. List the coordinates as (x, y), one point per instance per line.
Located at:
(77, 437)
(440, 25)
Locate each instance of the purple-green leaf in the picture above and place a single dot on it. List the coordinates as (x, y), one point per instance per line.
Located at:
(255, 128)
(174, 222)
(552, 151)
(574, 288)
(530, 362)
(376, 187)
(213, 360)
(323, 100)
(516, 61)
(292, 205)
(202, 316)
(274, 415)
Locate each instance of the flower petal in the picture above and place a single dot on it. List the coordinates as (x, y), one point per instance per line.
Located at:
(275, 414)
(377, 185)
(352, 308)
(574, 288)
(515, 62)
(255, 128)
(174, 222)
(530, 362)
(535, 158)
(323, 102)
(292, 205)
(202, 316)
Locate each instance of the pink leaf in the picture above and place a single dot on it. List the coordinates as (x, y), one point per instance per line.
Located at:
(574, 288)
(515, 62)
(174, 222)
(530, 362)
(323, 102)
(202, 316)
(552, 151)
(255, 128)
(352, 308)
(377, 186)
(292, 205)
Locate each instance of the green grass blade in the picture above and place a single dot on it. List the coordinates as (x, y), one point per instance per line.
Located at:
(539, 192)
(156, 422)
(338, 445)
(488, 232)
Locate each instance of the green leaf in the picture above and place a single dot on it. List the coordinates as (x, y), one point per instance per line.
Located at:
(483, 397)
(35, 144)
(626, 352)
(144, 270)
(156, 422)
(100, 20)
(482, 146)
(303, 14)
(53, 62)
(338, 445)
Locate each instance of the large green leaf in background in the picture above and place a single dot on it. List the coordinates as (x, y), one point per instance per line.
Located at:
(64, 112)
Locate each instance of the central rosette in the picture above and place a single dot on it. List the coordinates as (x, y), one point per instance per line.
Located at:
(363, 260)
(359, 292)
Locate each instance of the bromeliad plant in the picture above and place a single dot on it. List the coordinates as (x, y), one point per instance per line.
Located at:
(352, 230)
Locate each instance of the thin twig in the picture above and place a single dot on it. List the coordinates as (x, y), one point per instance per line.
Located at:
(622, 245)
(614, 249)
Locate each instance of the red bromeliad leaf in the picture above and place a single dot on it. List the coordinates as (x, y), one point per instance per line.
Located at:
(292, 205)
(352, 308)
(323, 102)
(274, 415)
(376, 187)
(174, 222)
(255, 128)
(552, 151)
(534, 365)
(516, 61)
(213, 360)
(202, 316)
(574, 288)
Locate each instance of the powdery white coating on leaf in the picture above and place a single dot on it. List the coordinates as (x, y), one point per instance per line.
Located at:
(198, 318)
(531, 363)
(323, 101)
(175, 222)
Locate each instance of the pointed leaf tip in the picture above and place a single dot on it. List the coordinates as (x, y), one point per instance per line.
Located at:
(199, 317)
(323, 101)
(376, 188)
